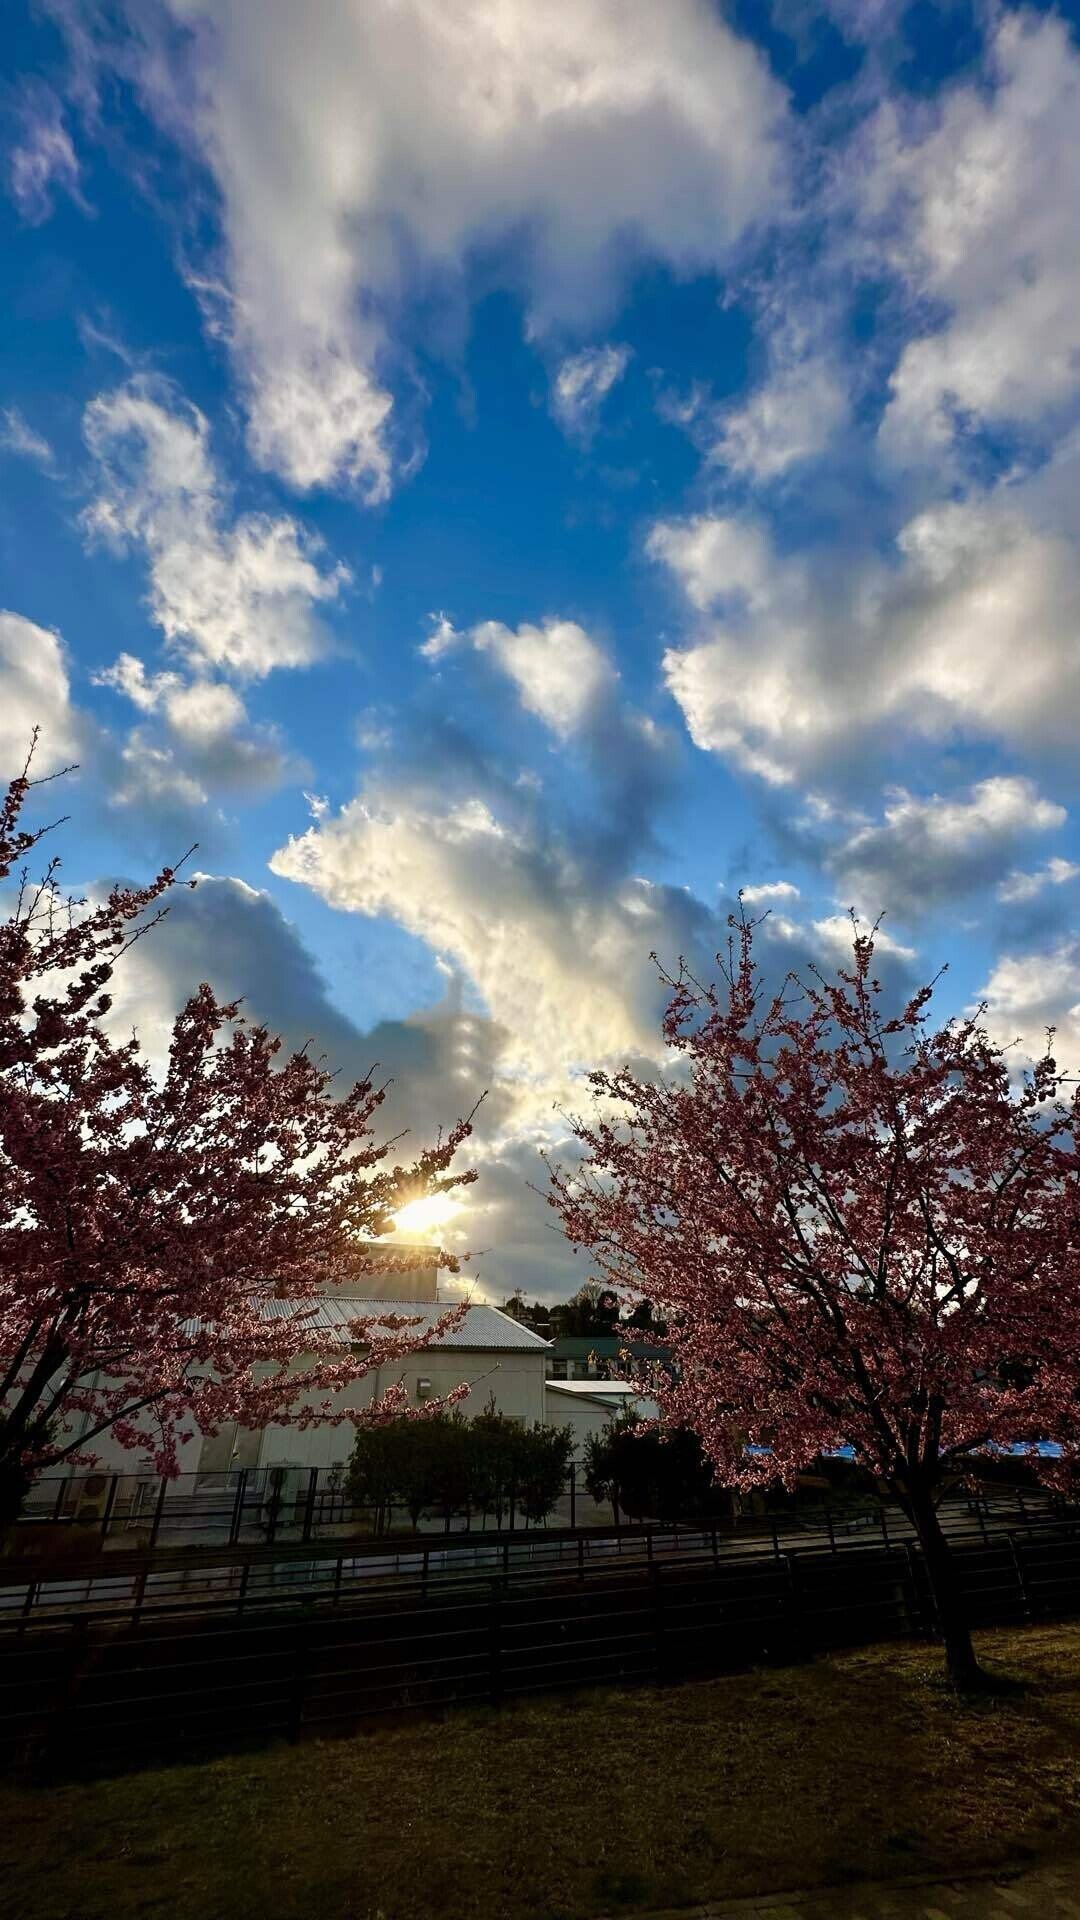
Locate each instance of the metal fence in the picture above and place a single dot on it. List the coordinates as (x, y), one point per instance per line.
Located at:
(266, 1504)
(85, 1693)
(274, 1566)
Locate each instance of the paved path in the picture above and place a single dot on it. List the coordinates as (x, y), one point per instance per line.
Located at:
(1051, 1892)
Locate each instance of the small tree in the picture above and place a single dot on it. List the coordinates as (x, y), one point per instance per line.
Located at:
(543, 1462)
(163, 1241)
(652, 1475)
(445, 1464)
(856, 1230)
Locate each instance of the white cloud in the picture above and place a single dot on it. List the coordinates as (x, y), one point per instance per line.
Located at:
(929, 850)
(1027, 993)
(582, 383)
(789, 419)
(151, 776)
(969, 628)
(717, 559)
(36, 694)
(989, 230)
(835, 935)
(560, 673)
(767, 892)
(235, 594)
(19, 437)
(369, 148)
(213, 742)
(1017, 887)
(443, 638)
(43, 160)
(560, 958)
(200, 710)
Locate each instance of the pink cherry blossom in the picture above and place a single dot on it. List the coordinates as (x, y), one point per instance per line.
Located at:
(857, 1228)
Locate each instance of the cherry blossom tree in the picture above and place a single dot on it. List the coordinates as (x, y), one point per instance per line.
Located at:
(148, 1220)
(859, 1230)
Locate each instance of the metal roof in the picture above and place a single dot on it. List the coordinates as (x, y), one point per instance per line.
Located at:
(483, 1329)
(595, 1389)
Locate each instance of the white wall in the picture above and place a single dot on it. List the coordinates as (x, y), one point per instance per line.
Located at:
(588, 1415)
(515, 1378)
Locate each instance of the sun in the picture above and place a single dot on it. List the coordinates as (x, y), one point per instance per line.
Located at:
(430, 1214)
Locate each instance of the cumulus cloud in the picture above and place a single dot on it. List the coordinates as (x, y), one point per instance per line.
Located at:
(371, 149)
(768, 892)
(560, 673)
(17, 436)
(438, 1061)
(37, 693)
(1017, 887)
(41, 160)
(978, 202)
(561, 965)
(1028, 993)
(557, 945)
(791, 418)
(209, 723)
(967, 628)
(238, 594)
(581, 385)
(927, 851)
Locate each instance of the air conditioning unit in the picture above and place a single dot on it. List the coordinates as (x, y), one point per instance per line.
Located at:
(92, 1499)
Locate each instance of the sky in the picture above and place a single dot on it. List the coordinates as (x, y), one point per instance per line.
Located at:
(498, 480)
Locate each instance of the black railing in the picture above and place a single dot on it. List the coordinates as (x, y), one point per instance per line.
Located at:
(238, 1574)
(84, 1693)
(289, 1504)
(272, 1503)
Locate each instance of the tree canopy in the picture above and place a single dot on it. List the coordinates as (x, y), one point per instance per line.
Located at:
(163, 1238)
(858, 1228)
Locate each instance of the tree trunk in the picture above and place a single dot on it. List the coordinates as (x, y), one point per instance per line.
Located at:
(964, 1670)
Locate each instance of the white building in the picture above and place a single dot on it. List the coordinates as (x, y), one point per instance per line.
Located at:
(588, 1406)
(497, 1358)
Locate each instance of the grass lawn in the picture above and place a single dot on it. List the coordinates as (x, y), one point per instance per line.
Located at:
(860, 1765)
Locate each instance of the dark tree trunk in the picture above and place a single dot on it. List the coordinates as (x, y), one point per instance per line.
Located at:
(964, 1670)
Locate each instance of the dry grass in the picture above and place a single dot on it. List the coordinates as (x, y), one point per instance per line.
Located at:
(861, 1765)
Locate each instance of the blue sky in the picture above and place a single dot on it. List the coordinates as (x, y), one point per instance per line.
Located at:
(502, 479)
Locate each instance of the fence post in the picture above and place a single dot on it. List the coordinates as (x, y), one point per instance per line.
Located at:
(275, 1505)
(109, 1505)
(775, 1538)
(918, 1609)
(299, 1676)
(238, 1507)
(495, 1643)
(1025, 1599)
(573, 1494)
(60, 1492)
(309, 1503)
(658, 1617)
(159, 1509)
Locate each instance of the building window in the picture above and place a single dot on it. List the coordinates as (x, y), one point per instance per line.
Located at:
(423, 1389)
(556, 1369)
